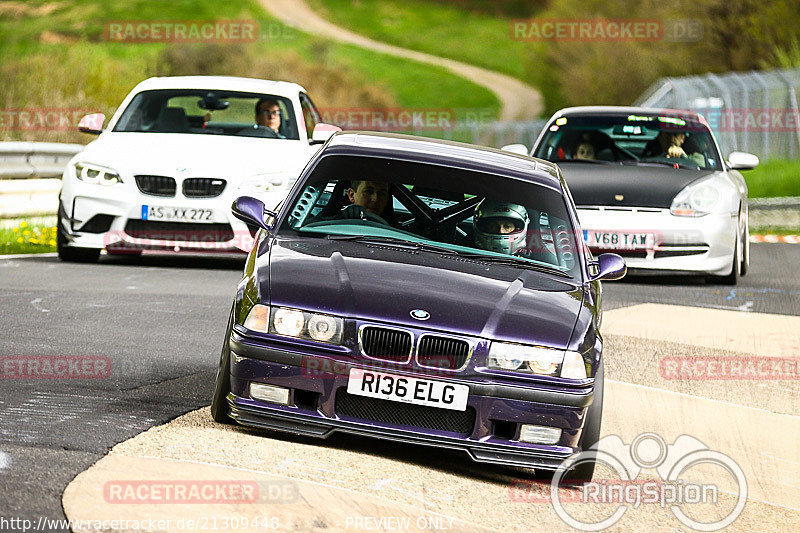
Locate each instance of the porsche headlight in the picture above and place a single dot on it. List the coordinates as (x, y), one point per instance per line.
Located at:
(696, 200)
(91, 173)
(536, 360)
(295, 323)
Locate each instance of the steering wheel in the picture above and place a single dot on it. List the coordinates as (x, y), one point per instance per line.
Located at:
(684, 160)
(357, 212)
(259, 131)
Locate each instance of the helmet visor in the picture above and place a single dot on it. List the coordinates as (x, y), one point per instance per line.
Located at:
(499, 225)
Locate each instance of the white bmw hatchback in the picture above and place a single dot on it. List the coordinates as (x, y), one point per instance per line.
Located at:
(163, 174)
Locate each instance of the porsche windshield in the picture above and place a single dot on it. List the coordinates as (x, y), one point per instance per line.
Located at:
(436, 208)
(204, 112)
(677, 141)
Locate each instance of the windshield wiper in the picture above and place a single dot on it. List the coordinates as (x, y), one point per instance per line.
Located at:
(660, 163)
(516, 262)
(589, 161)
(402, 243)
(414, 245)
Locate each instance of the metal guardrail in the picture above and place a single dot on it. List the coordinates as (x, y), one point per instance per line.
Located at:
(30, 176)
(35, 159)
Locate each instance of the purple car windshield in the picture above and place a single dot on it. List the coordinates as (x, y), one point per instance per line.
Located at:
(465, 212)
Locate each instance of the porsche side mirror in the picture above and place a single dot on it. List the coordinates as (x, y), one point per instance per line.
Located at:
(610, 267)
(323, 132)
(520, 149)
(251, 211)
(92, 123)
(742, 161)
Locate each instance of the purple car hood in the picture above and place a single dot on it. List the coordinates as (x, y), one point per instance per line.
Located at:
(383, 283)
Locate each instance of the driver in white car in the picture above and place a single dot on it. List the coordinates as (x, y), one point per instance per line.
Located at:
(268, 115)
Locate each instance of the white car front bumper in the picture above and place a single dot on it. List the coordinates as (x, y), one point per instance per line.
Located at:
(97, 216)
(677, 244)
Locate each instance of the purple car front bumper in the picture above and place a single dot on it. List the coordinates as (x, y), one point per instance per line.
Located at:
(319, 405)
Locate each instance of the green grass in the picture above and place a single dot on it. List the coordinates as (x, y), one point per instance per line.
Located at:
(774, 230)
(472, 37)
(773, 178)
(31, 236)
(414, 85)
(59, 58)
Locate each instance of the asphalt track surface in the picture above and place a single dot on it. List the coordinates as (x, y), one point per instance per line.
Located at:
(159, 321)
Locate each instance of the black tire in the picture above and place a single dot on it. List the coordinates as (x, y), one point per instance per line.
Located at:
(70, 254)
(733, 277)
(220, 410)
(745, 244)
(584, 471)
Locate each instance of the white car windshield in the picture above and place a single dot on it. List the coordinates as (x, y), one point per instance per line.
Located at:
(669, 140)
(205, 112)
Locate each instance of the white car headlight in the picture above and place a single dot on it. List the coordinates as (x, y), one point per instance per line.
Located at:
(295, 323)
(97, 174)
(536, 360)
(696, 200)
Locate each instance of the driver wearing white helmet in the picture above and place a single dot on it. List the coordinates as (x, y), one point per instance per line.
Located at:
(501, 226)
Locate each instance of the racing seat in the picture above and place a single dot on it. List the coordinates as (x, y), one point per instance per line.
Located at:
(172, 120)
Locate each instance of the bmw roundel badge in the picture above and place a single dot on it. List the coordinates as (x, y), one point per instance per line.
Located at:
(420, 314)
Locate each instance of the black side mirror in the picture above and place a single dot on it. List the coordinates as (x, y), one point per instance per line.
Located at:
(610, 267)
(251, 211)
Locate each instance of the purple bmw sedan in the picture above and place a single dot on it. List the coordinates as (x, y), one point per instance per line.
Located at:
(422, 291)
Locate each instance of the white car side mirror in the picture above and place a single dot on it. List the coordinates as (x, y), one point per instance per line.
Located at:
(323, 132)
(520, 149)
(92, 123)
(742, 161)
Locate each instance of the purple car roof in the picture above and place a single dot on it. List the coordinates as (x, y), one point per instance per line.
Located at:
(446, 153)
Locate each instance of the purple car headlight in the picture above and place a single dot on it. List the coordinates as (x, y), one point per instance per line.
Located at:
(295, 323)
(536, 360)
